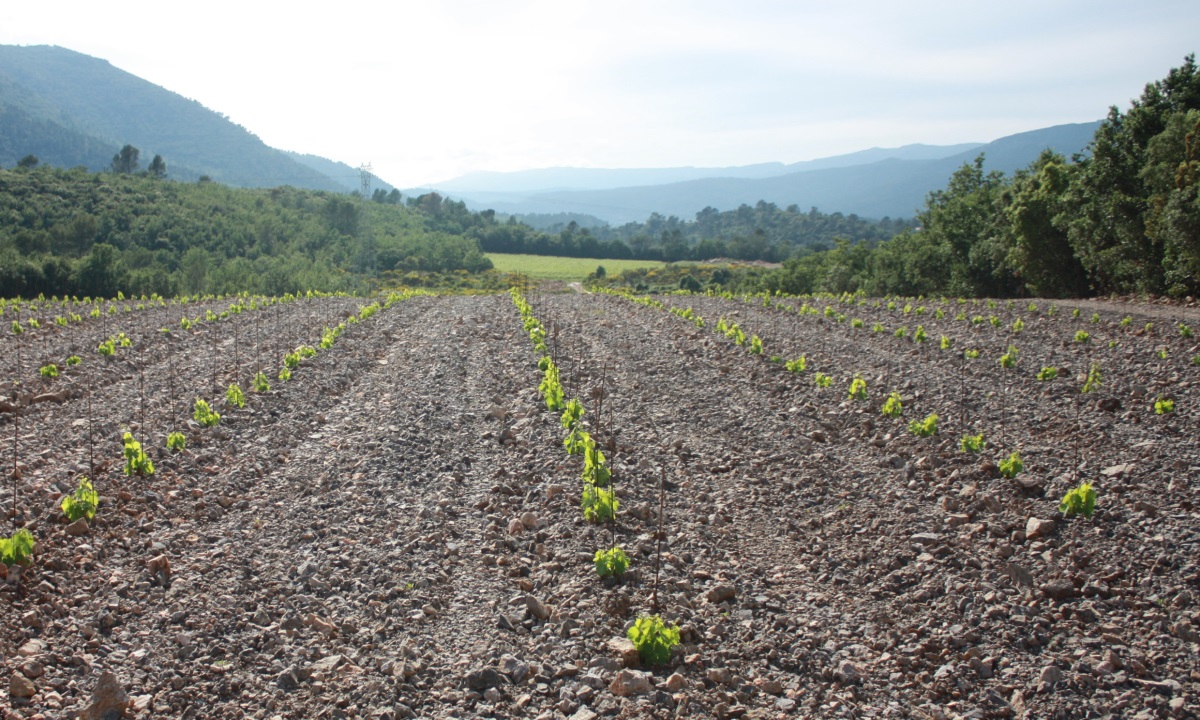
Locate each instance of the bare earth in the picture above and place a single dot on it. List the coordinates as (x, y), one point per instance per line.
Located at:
(345, 546)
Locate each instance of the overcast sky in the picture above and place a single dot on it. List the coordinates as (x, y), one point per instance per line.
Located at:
(429, 90)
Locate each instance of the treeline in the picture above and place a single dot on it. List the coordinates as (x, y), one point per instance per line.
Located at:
(763, 232)
(1125, 219)
(94, 234)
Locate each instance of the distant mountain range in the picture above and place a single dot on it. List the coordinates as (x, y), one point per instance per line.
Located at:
(874, 183)
(71, 109)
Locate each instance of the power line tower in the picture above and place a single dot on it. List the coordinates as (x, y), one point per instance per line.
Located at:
(364, 174)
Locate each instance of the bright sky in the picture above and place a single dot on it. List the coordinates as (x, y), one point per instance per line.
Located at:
(429, 90)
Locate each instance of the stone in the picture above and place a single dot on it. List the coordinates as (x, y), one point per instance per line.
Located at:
(1114, 470)
(631, 682)
(33, 648)
(1051, 675)
(492, 695)
(624, 649)
(537, 608)
(1060, 590)
(720, 593)
(516, 670)
(529, 520)
(1037, 527)
(674, 683)
(480, 680)
(109, 700)
(925, 538)
(720, 675)
(848, 673)
(584, 714)
(21, 687)
(78, 528)
(327, 665)
(768, 686)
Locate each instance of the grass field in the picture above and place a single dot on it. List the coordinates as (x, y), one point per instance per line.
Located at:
(563, 268)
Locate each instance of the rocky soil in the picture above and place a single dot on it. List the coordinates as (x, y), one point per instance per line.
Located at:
(396, 531)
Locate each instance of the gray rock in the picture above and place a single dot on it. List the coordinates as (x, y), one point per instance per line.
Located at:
(109, 700)
(21, 687)
(1051, 675)
(1037, 527)
(1060, 590)
(516, 670)
(537, 608)
(720, 593)
(848, 673)
(631, 682)
(480, 680)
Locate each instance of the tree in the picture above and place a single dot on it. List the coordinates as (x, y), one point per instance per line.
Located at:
(101, 273)
(1110, 202)
(1037, 247)
(126, 161)
(158, 167)
(27, 162)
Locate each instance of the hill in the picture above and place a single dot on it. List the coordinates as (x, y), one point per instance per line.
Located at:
(71, 109)
(874, 183)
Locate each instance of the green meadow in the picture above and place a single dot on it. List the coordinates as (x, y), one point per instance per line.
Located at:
(551, 267)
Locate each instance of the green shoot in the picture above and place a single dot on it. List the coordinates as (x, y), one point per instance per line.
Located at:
(18, 549)
(82, 503)
(924, 428)
(611, 563)
(972, 443)
(48, 371)
(285, 374)
(1018, 325)
(205, 415)
(919, 335)
(1080, 501)
(1093, 381)
(136, 460)
(858, 389)
(176, 441)
(800, 364)
(599, 504)
(1009, 359)
(1012, 465)
(1047, 373)
(653, 639)
(1082, 336)
(235, 397)
(971, 354)
(260, 383)
(1164, 406)
(892, 407)
(945, 343)
(823, 380)
(108, 348)
(74, 360)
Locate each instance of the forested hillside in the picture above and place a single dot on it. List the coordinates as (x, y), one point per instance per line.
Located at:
(70, 110)
(1124, 219)
(81, 233)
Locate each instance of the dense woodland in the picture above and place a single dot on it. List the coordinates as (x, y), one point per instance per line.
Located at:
(1125, 219)
(93, 234)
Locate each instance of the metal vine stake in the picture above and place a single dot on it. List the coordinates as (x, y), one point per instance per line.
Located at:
(662, 518)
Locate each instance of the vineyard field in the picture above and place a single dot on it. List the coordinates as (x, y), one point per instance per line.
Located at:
(396, 529)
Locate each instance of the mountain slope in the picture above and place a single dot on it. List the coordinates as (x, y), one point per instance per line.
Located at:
(94, 109)
(542, 180)
(891, 187)
(348, 177)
